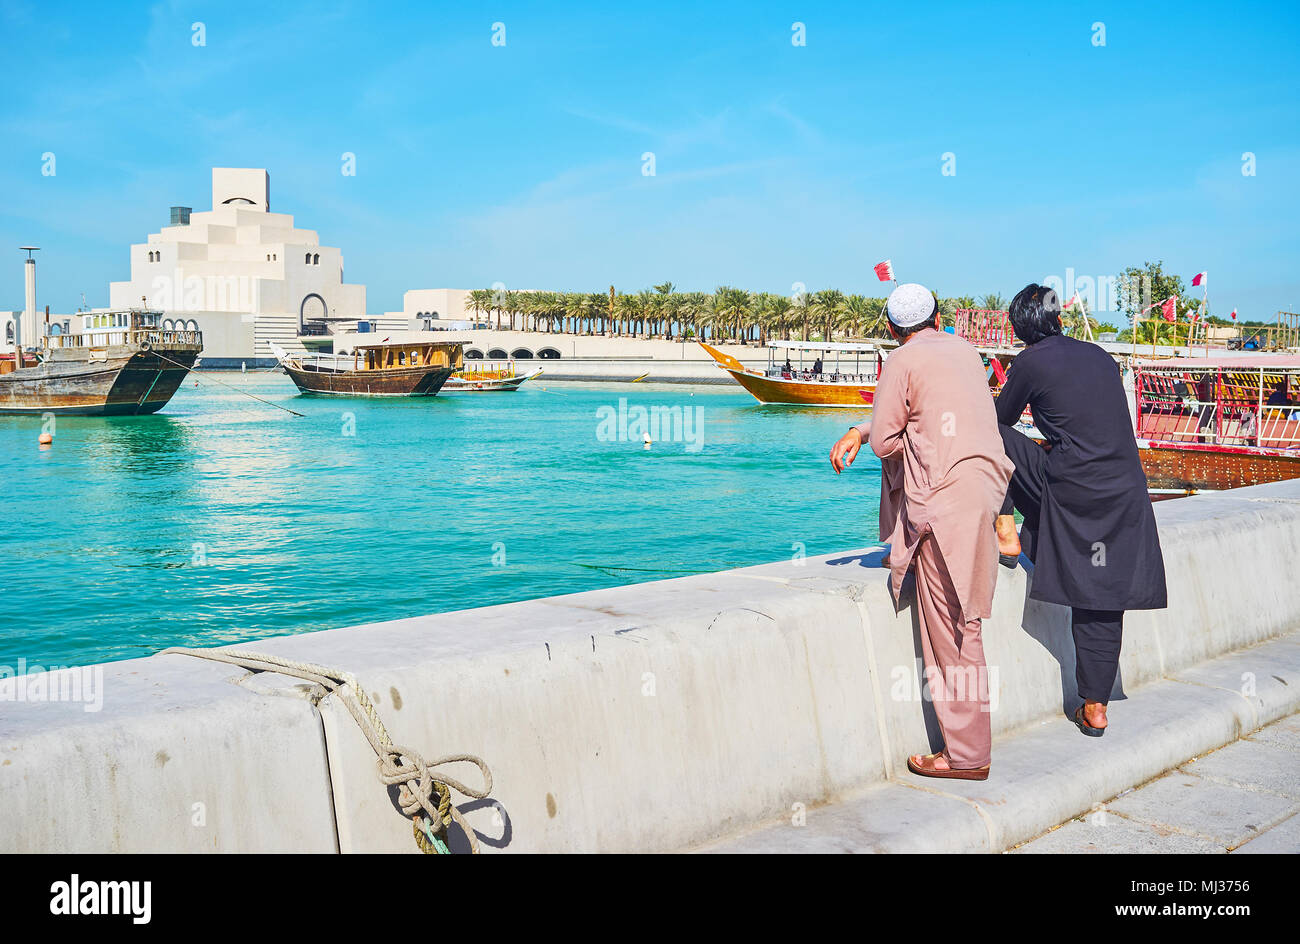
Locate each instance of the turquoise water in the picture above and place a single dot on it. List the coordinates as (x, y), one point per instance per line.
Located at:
(224, 520)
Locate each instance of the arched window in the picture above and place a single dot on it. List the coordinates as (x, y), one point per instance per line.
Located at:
(193, 325)
(9, 332)
(308, 259)
(315, 260)
(167, 324)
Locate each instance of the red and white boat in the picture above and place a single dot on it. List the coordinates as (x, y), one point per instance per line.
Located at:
(1205, 424)
(475, 379)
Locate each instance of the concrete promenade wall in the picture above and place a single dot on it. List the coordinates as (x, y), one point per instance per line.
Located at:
(647, 717)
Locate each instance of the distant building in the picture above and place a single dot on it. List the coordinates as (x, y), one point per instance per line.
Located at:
(244, 276)
(437, 309)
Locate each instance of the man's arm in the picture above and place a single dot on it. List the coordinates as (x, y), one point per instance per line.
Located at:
(1013, 396)
(890, 411)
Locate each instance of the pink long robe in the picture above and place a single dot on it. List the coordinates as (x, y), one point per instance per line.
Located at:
(944, 470)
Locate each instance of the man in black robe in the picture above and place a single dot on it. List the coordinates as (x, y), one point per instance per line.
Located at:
(1088, 524)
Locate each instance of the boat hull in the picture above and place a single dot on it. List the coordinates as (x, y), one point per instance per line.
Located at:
(122, 383)
(393, 382)
(777, 390)
(1192, 468)
(792, 392)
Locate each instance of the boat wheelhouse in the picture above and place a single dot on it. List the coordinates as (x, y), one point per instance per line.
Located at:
(416, 369)
(810, 373)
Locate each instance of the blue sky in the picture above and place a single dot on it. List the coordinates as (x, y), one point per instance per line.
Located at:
(775, 163)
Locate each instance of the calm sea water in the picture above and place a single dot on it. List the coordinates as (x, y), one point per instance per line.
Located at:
(224, 520)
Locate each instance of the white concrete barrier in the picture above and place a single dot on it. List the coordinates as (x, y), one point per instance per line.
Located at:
(648, 717)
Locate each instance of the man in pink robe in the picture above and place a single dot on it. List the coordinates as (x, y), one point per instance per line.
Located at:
(944, 476)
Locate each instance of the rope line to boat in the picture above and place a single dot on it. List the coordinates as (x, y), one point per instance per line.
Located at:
(231, 386)
(424, 798)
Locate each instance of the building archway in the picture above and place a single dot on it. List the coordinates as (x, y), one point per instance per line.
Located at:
(522, 354)
(473, 354)
(549, 353)
(496, 354)
(313, 308)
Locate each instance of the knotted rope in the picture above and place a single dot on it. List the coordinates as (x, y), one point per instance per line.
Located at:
(396, 764)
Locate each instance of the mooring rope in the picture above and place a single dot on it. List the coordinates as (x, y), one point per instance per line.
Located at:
(231, 386)
(397, 764)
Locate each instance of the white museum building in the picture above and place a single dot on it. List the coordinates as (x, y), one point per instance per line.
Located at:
(244, 276)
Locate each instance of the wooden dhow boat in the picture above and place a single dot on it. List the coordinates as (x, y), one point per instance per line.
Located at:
(375, 370)
(123, 363)
(849, 381)
(1205, 424)
(477, 379)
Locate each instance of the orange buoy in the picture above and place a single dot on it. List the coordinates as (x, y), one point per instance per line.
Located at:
(46, 439)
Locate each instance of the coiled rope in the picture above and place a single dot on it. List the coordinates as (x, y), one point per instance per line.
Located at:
(430, 817)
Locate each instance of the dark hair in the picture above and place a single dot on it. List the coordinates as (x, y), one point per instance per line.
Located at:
(1035, 313)
(931, 322)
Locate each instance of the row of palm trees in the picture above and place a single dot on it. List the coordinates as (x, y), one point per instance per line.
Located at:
(727, 314)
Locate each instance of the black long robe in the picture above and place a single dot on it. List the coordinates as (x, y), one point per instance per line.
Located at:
(1093, 540)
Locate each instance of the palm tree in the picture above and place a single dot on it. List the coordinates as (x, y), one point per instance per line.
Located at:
(800, 313)
(732, 309)
(780, 314)
(628, 309)
(994, 302)
(857, 317)
(827, 307)
(478, 301)
(574, 306)
(695, 309)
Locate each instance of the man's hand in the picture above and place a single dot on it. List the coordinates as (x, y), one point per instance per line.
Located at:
(845, 451)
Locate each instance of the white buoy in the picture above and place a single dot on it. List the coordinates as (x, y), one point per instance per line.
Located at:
(645, 438)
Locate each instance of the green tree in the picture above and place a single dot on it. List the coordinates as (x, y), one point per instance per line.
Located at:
(1148, 285)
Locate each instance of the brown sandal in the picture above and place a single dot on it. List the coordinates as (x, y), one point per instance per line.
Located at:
(924, 769)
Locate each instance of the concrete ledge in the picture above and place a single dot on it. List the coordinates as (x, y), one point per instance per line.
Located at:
(1047, 773)
(652, 717)
(179, 759)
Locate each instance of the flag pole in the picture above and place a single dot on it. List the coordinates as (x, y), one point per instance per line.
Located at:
(1205, 314)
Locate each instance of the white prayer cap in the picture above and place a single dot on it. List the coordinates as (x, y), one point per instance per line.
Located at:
(909, 305)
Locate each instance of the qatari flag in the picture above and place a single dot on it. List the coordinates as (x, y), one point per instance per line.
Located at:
(1168, 307)
(1234, 314)
(1200, 277)
(885, 270)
